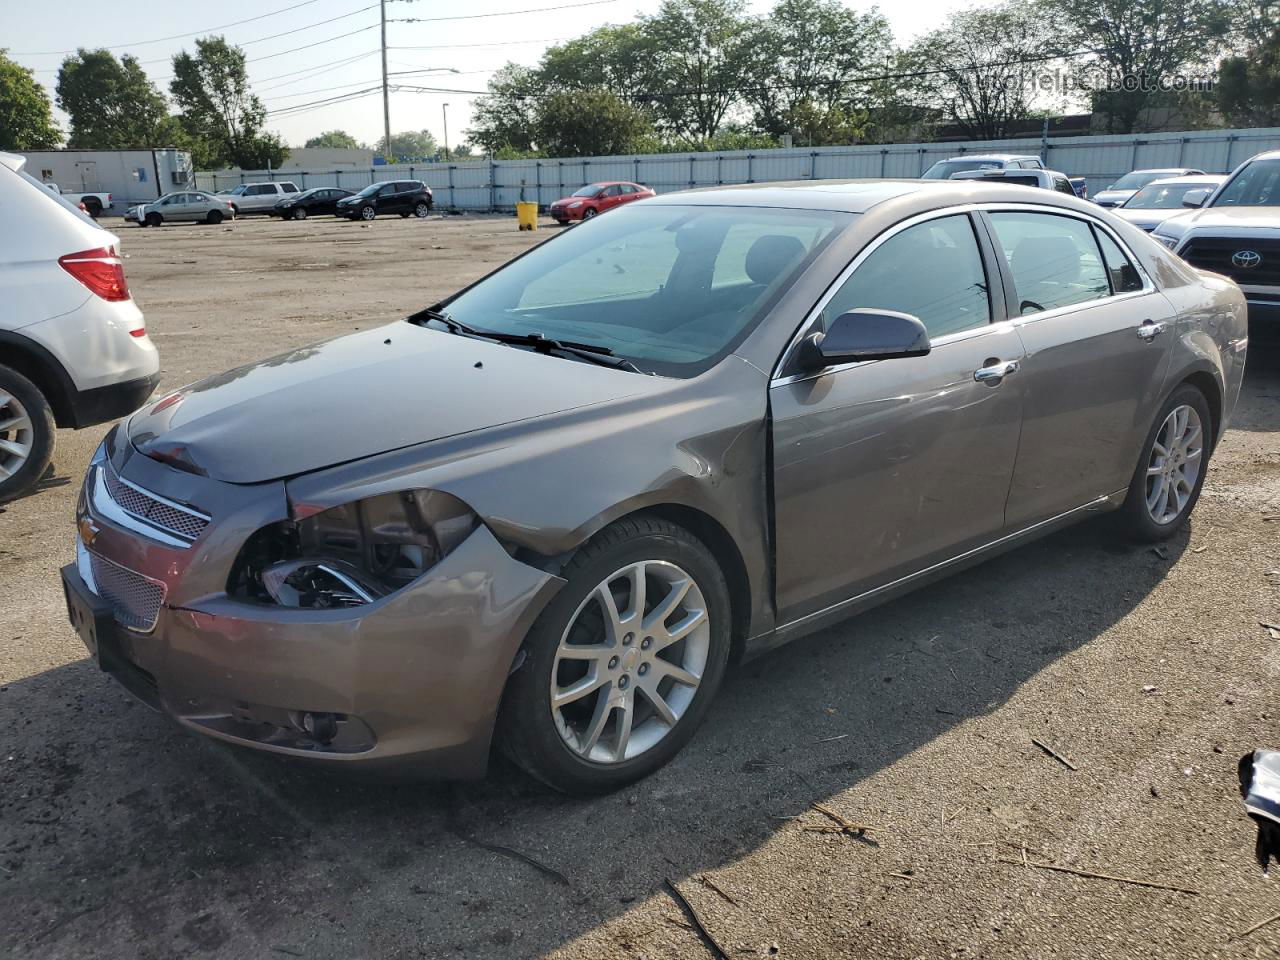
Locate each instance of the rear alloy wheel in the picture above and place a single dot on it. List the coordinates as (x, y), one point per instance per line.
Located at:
(299, 213)
(154, 219)
(421, 210)
(1171, 471)
(588, 213)
(214, 217)
(367, 213)
(26, 433)
(621, 667)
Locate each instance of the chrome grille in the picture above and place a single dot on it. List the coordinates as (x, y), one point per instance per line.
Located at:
(134, 599)
(181, 522)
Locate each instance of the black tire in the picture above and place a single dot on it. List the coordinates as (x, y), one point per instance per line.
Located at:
(367, 212)
(93, 207)
(299, 213)
(526, 731)
(404, 214)
(588, 213)
(41, 440)
(421, 209)
(154, 219)
(213, 218)
(1134, 517)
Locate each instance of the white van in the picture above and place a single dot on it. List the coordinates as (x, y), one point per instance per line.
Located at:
(73, 347)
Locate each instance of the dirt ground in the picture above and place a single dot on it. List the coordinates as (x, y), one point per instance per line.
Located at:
(123, 837)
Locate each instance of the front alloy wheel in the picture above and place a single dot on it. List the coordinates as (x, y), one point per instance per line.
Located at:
(620, 668)
(1172, 468)
(367, 213)
(630, 662)
(299, 213)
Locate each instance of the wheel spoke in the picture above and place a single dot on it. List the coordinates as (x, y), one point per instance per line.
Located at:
(692, 620)
(667, 606)
(626, 712)
(583, 651)
(19, 422)
(660, 705)
(591, 735)
(612, 619)
(1157, 494)
(635, 608)
(678, 674)
(576, 691)
(14, 448)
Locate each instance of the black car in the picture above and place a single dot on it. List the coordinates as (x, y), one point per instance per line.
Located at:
(317, 200)
(389, 196)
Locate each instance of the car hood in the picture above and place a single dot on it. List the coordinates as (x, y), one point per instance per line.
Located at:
(360, 395)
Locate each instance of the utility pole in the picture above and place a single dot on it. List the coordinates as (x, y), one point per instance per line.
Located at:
(444, 109)
(386, 95)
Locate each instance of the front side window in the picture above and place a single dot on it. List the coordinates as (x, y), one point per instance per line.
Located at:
(673, 289)
(1124, 275)
(1257, 185)
(932, 270)
(1054, 260)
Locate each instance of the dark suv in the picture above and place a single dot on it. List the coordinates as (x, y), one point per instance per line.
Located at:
(389, 196)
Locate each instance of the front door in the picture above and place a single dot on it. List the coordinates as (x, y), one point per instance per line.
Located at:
(1098, 336)
(884, 468)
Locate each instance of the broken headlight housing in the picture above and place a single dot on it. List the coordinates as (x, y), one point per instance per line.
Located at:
(352, 554)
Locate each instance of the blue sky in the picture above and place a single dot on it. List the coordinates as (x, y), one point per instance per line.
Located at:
(340, 56)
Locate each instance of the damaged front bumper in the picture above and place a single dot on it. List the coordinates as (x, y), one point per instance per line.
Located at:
(408, 684)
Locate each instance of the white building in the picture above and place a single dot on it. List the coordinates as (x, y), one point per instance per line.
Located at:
(130, 176)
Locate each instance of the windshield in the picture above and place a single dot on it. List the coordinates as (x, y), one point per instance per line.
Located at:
(589, 191)
(370, 190)
(236, 190)
(1257, 185)
(672, 289)
(943, 169)
(1163, 196)
(1140, 178)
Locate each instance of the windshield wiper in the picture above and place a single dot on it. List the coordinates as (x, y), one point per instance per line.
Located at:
(590, 352)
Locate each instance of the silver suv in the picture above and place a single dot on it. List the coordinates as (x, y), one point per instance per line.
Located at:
(259, 197)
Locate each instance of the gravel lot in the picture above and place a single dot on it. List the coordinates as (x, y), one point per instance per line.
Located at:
(122, 836)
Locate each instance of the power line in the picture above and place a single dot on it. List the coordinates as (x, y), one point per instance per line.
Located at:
(176, 36)
(308, 46)
(309, 26)
(505, 13)
(500, 43)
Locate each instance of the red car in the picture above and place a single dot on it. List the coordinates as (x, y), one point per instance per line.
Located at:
(597, 198)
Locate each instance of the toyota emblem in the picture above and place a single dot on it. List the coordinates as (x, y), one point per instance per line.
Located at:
(1246, 259)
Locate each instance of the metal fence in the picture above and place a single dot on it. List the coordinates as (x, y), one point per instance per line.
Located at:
(499, 184)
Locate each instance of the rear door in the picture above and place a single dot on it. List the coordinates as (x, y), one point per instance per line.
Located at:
(610, 197)
(883, 469)
(1097, 335)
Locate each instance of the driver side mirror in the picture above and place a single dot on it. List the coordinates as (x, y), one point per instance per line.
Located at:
(865, 335)
(1195, 198)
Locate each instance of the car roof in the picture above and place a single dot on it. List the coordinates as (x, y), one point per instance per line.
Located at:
(1191, 178)
(859, 196)
(992, 156)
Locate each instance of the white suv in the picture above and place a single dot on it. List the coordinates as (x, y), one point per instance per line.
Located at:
(73, 348)
(258, 197)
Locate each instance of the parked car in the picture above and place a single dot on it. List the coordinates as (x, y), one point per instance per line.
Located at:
(1234, 230)
(1161, 199)
(1044, 179)
(73, 348)
(188, 206)
(1131, 183)
(552, 507)
(946, 169)
(404, 197)
(596, 198)
(94, 203)
(258, 197)
(309, 203)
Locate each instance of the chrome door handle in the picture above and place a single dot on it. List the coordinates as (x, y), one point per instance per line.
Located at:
(996, 372)
(1149, 330)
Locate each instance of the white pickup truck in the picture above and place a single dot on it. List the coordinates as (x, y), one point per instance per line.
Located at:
(94, 203)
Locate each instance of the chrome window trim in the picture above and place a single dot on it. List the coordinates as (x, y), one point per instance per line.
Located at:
(1148, 285)
(834, 287)
(101, 503)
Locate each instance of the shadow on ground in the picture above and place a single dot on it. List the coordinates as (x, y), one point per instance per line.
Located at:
(121, 835)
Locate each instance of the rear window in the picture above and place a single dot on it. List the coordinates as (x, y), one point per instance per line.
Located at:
(288, 187)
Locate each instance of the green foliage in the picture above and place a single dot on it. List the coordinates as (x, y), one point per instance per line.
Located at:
(26, 116)
(221, 119)
(335, 139)
(112, 104)
(504, 119)
(1141, 46)
(586, 123)
(1248, 88)
(410, 143)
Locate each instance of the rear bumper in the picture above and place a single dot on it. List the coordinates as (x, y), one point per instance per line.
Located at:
(111, 402)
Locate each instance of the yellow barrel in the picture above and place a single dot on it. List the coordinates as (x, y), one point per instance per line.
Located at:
(527, 215)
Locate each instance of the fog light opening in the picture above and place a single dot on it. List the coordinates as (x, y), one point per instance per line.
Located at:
(320, 727)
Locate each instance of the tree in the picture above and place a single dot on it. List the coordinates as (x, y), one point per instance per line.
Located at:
(1141, 47)
(981, 68)
(409, 143)
(698, 65)
(222, 119)
(616, 59)
(503, 120)
(1248, 87)
(26, 116)
(112, 103)
(463, 151)
(803, 64)
(335, 139)
(590, 123)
